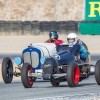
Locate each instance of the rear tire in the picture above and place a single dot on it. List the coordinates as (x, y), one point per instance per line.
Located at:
(97, 72)
(73, 74)
(7, 70)
(55, 82)
(26, 80)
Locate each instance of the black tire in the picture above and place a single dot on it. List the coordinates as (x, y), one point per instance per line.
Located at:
(73, 74)
(97, 72)
(35, 79)
(7, 70)
(55, 82)
(26, 81)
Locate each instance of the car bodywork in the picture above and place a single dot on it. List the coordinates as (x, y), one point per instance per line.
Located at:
(62, 66)
(32, 55)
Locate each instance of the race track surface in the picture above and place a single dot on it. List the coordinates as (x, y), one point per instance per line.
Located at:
(43, 90)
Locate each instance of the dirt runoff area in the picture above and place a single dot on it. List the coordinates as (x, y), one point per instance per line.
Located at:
(15, 44)
(18, 43)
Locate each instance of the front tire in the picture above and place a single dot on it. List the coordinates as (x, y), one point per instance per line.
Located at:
(73, 74)
(97, 72)
(26, 80)
(7, 70)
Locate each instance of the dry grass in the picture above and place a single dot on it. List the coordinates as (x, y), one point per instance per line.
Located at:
(41, 10)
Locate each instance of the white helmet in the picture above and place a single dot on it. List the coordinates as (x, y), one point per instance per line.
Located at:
(72, 36)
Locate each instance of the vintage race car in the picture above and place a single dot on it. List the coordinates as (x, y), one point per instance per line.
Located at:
(31, 55)
(62, 66)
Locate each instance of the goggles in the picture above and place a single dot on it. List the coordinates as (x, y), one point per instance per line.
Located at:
(53, 35)
(71, 39)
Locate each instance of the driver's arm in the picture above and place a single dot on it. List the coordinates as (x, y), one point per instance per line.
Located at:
(75, 50)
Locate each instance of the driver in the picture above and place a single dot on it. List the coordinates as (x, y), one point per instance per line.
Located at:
(75, 47)
(53, 38)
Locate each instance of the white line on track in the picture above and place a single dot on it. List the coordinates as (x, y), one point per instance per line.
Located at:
(90, 96)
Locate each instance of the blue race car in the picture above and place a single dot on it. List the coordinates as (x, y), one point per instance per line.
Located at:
(32, 55)
(62, 66)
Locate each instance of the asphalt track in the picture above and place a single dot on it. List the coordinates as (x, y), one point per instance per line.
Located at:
(43, 90)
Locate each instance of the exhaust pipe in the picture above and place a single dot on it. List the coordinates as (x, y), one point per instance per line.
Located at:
(92, 70)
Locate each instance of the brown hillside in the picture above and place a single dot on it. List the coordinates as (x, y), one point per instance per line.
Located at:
(41, 10)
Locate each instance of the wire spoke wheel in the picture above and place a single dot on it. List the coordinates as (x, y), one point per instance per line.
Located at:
(26, 78)
(7, 70)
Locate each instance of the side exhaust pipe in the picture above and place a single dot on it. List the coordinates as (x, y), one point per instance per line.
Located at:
(92, 70)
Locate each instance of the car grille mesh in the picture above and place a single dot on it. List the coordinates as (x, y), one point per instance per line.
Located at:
(35, 59)
(27, 58)
(32, 58)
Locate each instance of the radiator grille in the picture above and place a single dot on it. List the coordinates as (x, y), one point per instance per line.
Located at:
(35, 59)
(32, 58)
(27, 58)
